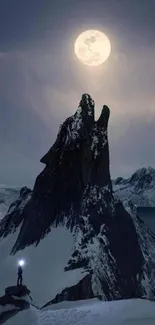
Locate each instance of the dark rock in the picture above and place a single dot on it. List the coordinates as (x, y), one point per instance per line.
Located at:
(4, 316)
(78, 160)
(76, 292)
(16, 298)
(24, 192)
(104, 118)
(9, 300)
(18, 291)
(119, 180)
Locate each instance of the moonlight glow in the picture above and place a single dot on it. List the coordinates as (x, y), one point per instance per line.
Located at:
(92, 47)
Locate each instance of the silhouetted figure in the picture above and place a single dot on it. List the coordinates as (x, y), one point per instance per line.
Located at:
(20, 276)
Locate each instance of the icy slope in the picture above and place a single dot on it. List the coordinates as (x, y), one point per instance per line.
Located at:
(44, 270)
(139, 188)
(7, 196)
(127, 312)
(26, 317)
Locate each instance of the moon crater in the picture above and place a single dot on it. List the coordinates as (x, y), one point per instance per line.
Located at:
(92, 47)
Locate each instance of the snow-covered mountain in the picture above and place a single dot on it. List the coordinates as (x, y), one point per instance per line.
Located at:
(14, 216)
(139, 188)
(77, 238)
(7, 196)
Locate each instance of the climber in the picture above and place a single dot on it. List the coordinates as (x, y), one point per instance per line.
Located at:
(20, 272)
(20, 276)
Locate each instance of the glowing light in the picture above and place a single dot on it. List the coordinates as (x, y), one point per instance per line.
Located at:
(92, 47)
(21, 262)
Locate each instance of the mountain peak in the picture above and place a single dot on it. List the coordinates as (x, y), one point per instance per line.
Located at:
(74, 129)
(87, 105)
(77, 161)
(74, 191)
(143, 178)
(139, 188)
(104, 117)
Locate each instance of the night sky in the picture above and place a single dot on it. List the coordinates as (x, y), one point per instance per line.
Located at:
(41, 80)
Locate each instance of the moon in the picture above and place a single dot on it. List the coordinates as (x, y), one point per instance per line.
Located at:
(92, 47)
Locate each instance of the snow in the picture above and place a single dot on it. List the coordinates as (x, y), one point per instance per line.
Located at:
(95, 140)
(125, 312)
(8, 307)
(44, 266)
(142, 198)
(90, 103)
(7, 196)
(71, 304)
(26, 298)
(26, 317)
(139, 188)
(94, 145)
(74, 127)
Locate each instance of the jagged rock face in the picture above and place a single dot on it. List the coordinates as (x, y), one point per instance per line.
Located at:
(15, 214)
(73, 293)
(75, 189)
(78, 160)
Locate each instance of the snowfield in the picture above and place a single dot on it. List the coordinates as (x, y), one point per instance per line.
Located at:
(44, 271)
(125, 312)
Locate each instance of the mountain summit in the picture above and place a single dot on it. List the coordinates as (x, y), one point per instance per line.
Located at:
(139, 188)
(75, 191)
(76, 166)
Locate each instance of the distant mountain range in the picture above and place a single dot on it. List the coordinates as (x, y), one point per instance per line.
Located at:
(139, 188)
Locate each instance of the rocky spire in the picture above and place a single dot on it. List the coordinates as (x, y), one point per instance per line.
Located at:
(104, 117)
(75, 189)
(78, 159)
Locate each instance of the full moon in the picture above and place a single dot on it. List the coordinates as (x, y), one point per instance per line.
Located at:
(92, 47)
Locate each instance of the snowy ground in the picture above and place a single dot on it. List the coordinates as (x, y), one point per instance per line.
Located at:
(125, 312)
(44, 270)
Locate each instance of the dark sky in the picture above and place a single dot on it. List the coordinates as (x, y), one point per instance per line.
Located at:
(41, 81)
